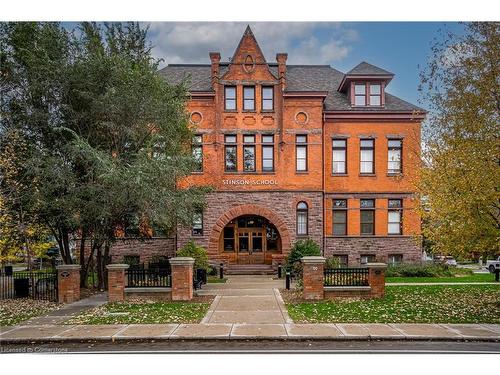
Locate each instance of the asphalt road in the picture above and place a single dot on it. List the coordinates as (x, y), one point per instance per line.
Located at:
(262, 346)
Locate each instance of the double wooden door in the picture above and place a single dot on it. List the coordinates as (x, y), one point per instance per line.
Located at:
(251, 245)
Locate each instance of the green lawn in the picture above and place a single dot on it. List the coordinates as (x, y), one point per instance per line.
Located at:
(476, 278)
(216, 280)
(408, 304)
(14, 311)
(145, 313)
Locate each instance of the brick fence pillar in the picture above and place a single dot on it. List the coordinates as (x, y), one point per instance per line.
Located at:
(182, 278)
(313, 277)
(68, 283)
(116, 282)
(376, 279)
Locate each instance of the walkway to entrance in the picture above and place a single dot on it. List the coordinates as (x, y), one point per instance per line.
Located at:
(246, 300)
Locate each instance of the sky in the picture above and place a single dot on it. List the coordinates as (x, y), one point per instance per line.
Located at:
(402, 48)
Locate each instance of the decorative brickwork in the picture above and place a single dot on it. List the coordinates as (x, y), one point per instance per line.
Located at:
(313, 278)
(68, 283)
(182, 278)
(381, 247)
(278, 207)
(116, 282)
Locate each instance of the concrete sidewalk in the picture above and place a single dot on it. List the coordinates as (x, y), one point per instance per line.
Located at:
(236, 331)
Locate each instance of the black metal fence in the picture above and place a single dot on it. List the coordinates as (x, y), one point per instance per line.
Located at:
(346, 277)
(29, 284)
(148, 278)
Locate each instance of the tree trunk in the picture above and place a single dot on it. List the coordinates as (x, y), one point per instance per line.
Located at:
(83, 266)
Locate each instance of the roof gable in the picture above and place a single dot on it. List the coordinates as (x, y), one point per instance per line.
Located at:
(367, 69)
(248, 46)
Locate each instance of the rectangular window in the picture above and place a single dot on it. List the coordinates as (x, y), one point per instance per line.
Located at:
(198, 224)
(375, 94)
(197, 149)
(339, 156)
(229, 239)
(249, 98)
(367, 258)
(231, 153)
(267, 153)
(301, 153)
(301, 223)
(230, 98)
(341, 259)
(267, 98)
(394, 150)
(395, 259)
(394, 215)
(339, 217)
(249, 153)
(367, 148)
(359, 94)
(367, 216)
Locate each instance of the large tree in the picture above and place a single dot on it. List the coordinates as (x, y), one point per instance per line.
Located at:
(460, 183)
(119, 144)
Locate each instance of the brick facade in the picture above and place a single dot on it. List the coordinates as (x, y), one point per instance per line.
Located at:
(315, 102)
(381, 247)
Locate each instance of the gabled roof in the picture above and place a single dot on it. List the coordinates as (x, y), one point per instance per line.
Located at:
(367, 69)
(248, 34)
(298, 78)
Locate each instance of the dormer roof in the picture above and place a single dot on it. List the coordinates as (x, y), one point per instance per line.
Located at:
(367, 71)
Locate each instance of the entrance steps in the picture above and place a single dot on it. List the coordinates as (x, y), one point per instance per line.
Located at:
(249, 269)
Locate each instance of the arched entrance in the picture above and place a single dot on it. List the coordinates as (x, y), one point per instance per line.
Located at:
(249, 234)
(250, 239)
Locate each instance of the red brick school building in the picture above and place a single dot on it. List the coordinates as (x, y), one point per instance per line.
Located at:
(295, 152)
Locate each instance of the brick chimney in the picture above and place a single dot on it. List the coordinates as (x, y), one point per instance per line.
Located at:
(281, 59)
(215, 60)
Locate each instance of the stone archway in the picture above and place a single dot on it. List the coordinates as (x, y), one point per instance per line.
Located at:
(248, 209)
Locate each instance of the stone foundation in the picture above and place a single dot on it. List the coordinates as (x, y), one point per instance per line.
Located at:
(381, 247)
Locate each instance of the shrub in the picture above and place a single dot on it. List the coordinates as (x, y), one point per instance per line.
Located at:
(333, 262)
(427, 269)
(302, 248)
(197, 252)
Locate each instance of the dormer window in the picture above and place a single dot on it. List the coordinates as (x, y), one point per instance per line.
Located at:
(359, 94)
(367, 94)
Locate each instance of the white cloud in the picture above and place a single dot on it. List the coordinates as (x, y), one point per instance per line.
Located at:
(305, 43)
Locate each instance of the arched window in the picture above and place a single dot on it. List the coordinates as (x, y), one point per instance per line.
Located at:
(302, 219)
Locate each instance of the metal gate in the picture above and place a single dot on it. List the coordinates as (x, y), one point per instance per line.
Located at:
(29, 284)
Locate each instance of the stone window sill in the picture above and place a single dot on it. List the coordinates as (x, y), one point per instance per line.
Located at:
(367, 175)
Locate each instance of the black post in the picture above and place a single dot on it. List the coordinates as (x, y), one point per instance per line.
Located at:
(287, 281)
(279, 271)
(221, 271)
(497, 274)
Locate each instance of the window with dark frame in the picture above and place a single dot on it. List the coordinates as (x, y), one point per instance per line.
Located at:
(267, 98)
(339, 156)
(394, 216)
(197, 150)
(301, 153)
(342, 260)
(249, 153)
(230, 98)
(367, 216)
(198, 223)
(367, 154)
(367, 258)
(394, 151)
(359, 94)
(249, 98)
(230, 153)
(302, 219)
(339, 217)
(395, 259)
(375, 94)
(267, 153)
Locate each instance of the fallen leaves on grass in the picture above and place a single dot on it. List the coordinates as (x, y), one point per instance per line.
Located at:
(14, 311)
(408, 304)
(141, 312)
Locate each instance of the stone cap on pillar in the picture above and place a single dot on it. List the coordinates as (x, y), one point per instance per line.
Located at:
(181, 261)
(67, 267)
(376, 266)
(313, 259)
(117, 266)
